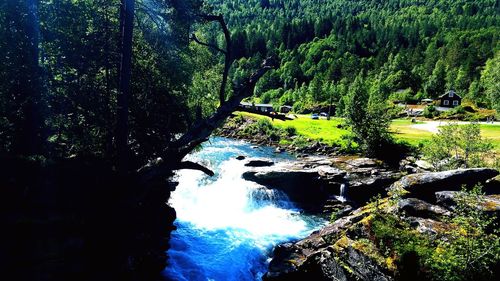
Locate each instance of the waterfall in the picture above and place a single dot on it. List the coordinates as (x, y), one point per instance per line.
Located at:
(227, 226)
(343, 192)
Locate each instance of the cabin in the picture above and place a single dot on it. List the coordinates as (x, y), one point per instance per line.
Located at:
(258, 107)
(450, 99)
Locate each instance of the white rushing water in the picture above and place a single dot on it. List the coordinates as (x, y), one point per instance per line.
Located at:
(228, 226)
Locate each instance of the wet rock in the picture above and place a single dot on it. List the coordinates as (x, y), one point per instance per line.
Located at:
(259, 163)
(362, 189)
(424, 185)
(305, 184)
(418, 208)
(240, 157)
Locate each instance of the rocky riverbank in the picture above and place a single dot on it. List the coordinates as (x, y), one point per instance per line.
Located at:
(388, 239)
(325, 184)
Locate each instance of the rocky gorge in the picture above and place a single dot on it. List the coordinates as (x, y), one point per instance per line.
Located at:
(346, 249)
(365, 199)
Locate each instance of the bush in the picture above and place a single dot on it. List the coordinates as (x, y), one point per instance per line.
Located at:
(467, 249)
(290, 131)
(430, 111)
(470, 251)
(455, 146)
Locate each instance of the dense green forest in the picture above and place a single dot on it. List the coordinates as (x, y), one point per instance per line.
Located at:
(59, 76)
(102, 100)
(59, 79)
(404, 50)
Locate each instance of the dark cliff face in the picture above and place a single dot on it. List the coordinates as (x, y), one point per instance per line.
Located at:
(77, 220)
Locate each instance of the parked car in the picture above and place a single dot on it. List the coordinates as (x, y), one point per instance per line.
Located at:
(323, 114)
(314, 116)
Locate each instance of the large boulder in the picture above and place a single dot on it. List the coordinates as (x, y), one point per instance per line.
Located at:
(424, 185)
(308, 186)
(419, 208)
(362, 188)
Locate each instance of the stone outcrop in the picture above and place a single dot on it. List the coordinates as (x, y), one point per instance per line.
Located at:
(424, 185)
(419, 208)
(305, 184)
(327, 255)
(345, 249)
(312, 181)
(486, 203)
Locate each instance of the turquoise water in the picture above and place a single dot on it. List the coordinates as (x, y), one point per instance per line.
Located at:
(226, 226)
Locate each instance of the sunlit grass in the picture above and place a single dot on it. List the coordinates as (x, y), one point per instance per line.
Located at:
(402, 130)
(327, 131)
(322, 130)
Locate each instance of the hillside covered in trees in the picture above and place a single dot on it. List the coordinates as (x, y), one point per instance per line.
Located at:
(404, 50)
(101, 102)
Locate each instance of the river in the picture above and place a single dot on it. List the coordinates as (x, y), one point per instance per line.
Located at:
(227, 226)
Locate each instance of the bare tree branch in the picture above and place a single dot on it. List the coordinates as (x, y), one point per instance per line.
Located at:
(228, 61)
(212, 46)
(188, 165)
(204, 128)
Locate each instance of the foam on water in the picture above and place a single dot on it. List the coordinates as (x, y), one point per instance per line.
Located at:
(227, 226)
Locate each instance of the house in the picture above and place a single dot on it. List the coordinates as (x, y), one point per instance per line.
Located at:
(259, 107)
(450, 99)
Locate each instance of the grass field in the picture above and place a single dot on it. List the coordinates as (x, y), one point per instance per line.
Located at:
(322, 130)
(402, 130)
(328, 132)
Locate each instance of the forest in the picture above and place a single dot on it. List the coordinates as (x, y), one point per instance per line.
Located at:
(102, 100)
(405, 50)
(61, 62)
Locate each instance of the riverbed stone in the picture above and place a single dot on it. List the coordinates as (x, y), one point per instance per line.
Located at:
(259, 163)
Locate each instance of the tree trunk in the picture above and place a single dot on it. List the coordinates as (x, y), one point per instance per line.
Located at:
(29, 137)
(122, 130)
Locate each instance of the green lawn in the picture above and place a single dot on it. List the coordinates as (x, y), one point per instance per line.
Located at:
(327, 131)
(322, 130)
(492, 132)
(402, 130)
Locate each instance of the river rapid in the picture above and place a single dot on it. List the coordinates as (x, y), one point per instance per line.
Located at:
(227, 226)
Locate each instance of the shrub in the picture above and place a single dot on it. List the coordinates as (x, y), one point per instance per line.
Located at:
(290, 131)
(467, 249)
(471, 250)
(264, 126)
(455, 146)
(430, 111)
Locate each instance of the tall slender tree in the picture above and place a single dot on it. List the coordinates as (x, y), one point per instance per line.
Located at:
(123, 99)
